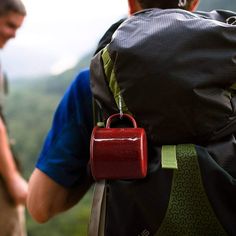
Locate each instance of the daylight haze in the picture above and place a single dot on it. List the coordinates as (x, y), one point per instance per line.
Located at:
(57, 33)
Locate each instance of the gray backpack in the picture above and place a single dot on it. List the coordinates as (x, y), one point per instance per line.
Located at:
(175, 72)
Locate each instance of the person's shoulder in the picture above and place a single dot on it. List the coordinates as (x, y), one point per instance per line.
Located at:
(83, 75)
(80, 86)
(82, 79)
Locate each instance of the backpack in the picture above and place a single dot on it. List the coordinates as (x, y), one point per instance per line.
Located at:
(174, 71)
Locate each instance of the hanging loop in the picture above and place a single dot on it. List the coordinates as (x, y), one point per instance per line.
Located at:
(182, 3)
(120, 106)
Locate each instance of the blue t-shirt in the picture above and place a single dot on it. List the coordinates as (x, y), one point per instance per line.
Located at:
(65, 153)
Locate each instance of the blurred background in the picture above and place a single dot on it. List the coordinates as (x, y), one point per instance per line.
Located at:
(56, 41)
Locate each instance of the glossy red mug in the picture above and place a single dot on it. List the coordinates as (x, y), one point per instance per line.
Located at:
(118, 153)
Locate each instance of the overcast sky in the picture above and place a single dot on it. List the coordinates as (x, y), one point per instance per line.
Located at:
(56, 33)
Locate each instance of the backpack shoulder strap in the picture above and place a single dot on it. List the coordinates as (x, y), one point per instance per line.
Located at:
(97, 217)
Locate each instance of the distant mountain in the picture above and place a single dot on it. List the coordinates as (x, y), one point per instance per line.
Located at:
(58, 83)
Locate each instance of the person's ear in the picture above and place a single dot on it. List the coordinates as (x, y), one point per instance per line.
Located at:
(193, 5)
(133, 6)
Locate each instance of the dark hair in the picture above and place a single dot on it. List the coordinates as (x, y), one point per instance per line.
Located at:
(164, 4)
(7, 6)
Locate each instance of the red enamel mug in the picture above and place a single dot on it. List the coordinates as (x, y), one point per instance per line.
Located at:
(118, 153)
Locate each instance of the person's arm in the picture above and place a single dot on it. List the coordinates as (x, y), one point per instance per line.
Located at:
(47, 198)
(61, 177)
(15, 183)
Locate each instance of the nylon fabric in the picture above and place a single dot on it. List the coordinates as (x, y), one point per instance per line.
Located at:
(168, 157)
(189, 211)
(181, 87)
(113, 85)
(97, 217)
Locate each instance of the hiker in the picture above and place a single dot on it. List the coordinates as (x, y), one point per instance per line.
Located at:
(13, 187)
(174, 71)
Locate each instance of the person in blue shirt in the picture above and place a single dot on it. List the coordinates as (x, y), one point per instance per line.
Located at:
(61, 176)
(62, 165)
(64, 157)
(69, 136)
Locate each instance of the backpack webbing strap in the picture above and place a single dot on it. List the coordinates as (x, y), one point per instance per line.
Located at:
(189, 211)
(98, 210)
(168, 157)
(112, 81)
(97, 115)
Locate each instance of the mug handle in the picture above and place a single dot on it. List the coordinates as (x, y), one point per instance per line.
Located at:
(131, 118)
